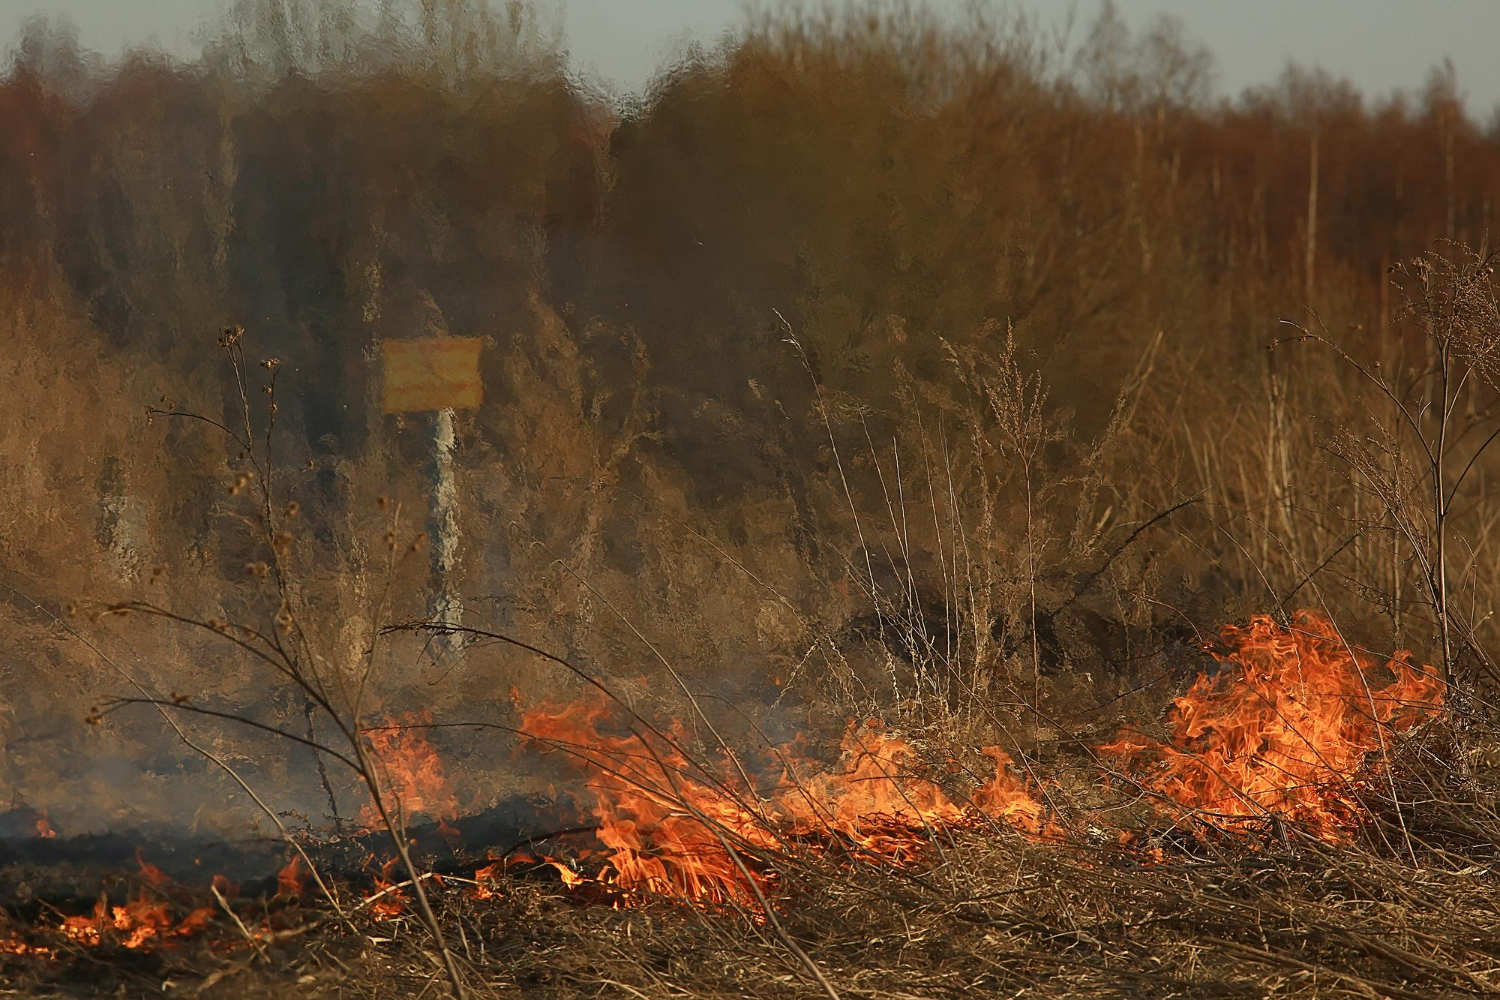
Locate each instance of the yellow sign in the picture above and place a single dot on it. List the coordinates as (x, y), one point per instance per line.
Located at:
(439, 373)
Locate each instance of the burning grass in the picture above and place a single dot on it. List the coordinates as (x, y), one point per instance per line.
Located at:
(1294, 726)
(1309, 811)
(671, 826)
(994, 916)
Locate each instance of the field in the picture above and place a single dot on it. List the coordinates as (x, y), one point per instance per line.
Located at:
(902, 508)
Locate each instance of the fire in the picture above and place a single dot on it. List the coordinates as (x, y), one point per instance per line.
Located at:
(139, 924)
(225, 887)
(452, 834)
(675, 827)
(150, 872)
(144, 923)
(484, 879)
(44, 827)
(1006, 797)
(410, 770)
(1294, 725)
(1288, 728)
(386, 901)
(292, 879)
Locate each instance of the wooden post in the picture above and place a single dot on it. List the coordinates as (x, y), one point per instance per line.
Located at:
(437, 375)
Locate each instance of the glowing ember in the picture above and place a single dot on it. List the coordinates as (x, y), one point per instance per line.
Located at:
(13, 944)
(44, 827)
(674, 827)
(410, 771)
(87, 930)
(149, 922)
(1287, 728)
(140, 924)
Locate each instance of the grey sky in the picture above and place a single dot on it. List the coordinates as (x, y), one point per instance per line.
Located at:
(1380, 45)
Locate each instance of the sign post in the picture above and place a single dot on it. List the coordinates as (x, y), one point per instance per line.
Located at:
(438, 375)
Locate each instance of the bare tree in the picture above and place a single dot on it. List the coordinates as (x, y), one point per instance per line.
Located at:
(1416, 461)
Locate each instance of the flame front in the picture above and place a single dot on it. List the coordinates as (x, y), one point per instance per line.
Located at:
(675, 827)
(1297, 724)
(1287, 729)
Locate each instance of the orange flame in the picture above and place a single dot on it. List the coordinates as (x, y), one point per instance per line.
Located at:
(410, 770)
(292, 879)
(225, 887)
(139, 924)
(671, 826)
(144, 923)
(150, 872)
(450, 833)
(483, 881)
(44, 827)
(1287, 728)
(386, 901)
